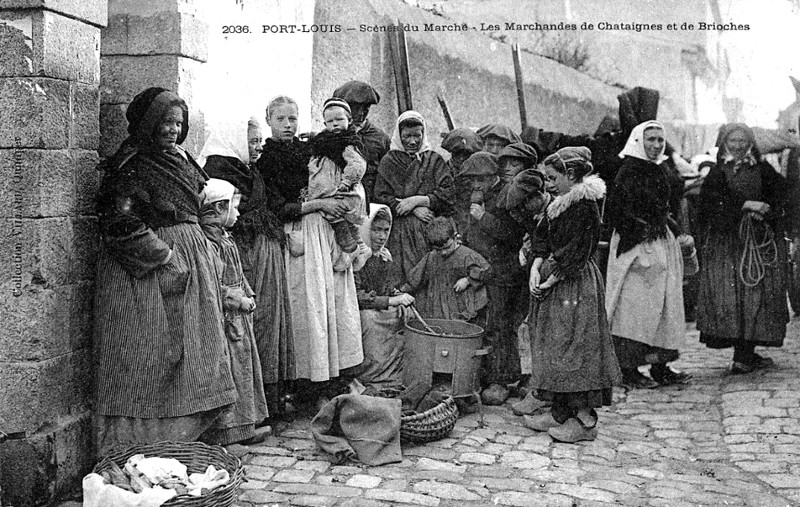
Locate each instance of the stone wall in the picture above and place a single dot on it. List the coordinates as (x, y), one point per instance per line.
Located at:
(49, 85)
(474, 72)
(149, 43)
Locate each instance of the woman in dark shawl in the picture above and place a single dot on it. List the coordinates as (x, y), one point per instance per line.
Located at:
(161, 365)
(742, 199)
(417, 185)
(230, 154)
(644, 291)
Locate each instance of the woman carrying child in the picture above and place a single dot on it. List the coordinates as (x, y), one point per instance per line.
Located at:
(326, 328)
(574, 364)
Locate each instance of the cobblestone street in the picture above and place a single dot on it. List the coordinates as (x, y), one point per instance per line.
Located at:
(722, 440)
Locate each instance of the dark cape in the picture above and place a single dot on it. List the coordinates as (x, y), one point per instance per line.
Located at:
(255, 215)
(639, 207)
(376, 146)
(284, 167)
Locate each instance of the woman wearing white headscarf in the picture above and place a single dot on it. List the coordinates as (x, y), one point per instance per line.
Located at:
(230, 154)
(416, 183)
(379, 304)
(644, 294)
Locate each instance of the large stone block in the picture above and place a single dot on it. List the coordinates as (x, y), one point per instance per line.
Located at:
(113, 128)
(85, 134)
(122, 77)
(87, 181)
(36, 394)
(41, 324)
(35, 113)
(114, 37)
(46, 44)
(36, 183)
(39, 469)
(93, 12)
(47, 252)
(47, 183)
(160, 33)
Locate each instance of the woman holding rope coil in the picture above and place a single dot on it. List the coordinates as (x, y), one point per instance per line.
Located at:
(742, 301)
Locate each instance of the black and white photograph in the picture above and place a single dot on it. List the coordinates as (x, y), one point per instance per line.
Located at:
(373, 253)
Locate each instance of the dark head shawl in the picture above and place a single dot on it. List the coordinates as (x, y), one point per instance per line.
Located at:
(728, 129)
(357, 91)
(146, 110)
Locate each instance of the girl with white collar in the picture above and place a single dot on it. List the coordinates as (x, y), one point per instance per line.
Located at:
(574, 365)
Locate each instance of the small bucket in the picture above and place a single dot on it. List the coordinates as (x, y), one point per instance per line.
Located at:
(454, 347)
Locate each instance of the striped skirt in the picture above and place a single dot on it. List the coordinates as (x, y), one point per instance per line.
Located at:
(159, 344)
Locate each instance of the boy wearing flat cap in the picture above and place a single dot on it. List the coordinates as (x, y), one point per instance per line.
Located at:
(494, 234)
(515, 158)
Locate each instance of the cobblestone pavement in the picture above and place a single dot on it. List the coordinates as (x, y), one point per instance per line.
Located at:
(722, 440)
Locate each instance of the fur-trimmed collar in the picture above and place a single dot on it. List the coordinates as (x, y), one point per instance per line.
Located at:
(592, 188)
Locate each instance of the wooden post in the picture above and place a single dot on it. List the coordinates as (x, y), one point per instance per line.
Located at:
(445, 111)
(402, 80)
(523, 112)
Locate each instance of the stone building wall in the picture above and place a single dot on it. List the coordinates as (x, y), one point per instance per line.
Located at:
(65, 80)
(149, 43)
(474, 72)
(49, 85)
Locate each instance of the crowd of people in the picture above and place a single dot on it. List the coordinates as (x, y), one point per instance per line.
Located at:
(278, 270)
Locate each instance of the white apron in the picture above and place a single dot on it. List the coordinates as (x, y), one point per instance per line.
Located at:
(644, 293)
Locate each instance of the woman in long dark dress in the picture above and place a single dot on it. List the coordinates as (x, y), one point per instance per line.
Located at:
(230, 154)
(574, 364)
(742, 200)
(416, 184)
(161, 362)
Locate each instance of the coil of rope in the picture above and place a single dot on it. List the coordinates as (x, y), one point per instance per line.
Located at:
(758, 253)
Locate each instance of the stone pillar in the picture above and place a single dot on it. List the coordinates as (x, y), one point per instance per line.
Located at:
(149, 43)
(49, 106)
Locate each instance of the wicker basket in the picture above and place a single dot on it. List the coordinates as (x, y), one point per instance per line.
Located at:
(196, 456)
(433, 424)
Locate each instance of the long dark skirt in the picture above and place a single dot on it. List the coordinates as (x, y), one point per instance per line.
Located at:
(161, 356)
(507, 307)
(264, 268)
(407, 242)
(571, 344)
(729, 312)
